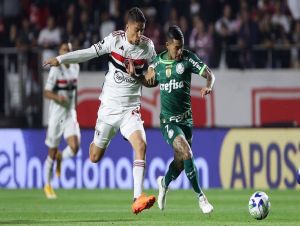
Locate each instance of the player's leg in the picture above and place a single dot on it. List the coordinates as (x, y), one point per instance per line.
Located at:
(182, 148)
(132, 129)
(169, 131)
(52, 140)
(102, 137)
(174, 170)
(141, 201)
(183, 151)
(72, 137)
(48, 190)
(72, 148)
(139, 146)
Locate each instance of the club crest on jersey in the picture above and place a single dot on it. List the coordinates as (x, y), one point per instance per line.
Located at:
(168, 71)
(179, 68)
(170, 133)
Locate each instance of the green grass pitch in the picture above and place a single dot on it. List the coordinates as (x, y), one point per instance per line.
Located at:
(112, 207)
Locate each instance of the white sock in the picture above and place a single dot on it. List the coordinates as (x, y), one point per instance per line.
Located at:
(138, 177)
(49, 169)
(67, 153)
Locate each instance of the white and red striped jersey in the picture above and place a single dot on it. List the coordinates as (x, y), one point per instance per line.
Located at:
(63, 81)
(119, 88)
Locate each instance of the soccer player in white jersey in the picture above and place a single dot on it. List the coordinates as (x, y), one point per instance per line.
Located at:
(60, 89)
(120, 97)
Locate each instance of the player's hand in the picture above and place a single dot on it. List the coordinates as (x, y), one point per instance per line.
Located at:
(129, 65)
(205, 91)
(62, 100)
(51, 62)
(150, 76)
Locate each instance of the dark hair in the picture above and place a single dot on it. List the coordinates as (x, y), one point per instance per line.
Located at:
(136, 15)
(64, 42)
(174, 32)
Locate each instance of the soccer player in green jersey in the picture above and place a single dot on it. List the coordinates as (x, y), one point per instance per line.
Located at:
(172, 71)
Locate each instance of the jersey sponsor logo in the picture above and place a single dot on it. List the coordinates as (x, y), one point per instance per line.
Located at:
(179, 68)
(179, 118)
(171, 85)
(119, 78)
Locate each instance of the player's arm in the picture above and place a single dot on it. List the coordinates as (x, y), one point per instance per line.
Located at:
(198, 67)
(210, 81)
(77, 56)
(147, 80)
(82, 55)
(49, 92)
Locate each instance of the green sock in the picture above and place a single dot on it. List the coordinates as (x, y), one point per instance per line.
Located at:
(172, 174)
(192, 174)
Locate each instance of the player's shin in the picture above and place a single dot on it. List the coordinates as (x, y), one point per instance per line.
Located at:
(67, 152)
(49, 169)
(172, 174)
(138, 177)
(192, 174)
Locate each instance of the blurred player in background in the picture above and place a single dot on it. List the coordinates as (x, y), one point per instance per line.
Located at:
(61, 89)
(120, 97)
(172, 72)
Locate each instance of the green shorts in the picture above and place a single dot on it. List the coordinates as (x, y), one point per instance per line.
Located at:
(171, 130)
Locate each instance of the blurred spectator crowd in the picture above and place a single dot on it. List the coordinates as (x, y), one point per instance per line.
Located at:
(224, 33)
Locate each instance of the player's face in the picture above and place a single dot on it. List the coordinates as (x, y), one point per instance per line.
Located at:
(64, 48)
(134, 32)
(175, 48)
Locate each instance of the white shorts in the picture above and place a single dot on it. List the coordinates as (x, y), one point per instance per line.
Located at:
(58, 127)
(109, 121)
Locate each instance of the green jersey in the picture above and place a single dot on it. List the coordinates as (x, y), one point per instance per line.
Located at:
(174, 79)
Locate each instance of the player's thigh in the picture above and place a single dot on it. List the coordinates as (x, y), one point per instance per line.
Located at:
(188, 133)
(170, 131)
(103, 134)
(133, 124)
(54, 132)
(72, 132)
(138, 143)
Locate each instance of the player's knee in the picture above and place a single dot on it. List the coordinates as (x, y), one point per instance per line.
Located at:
(186, 153)
(141, 147)
(96, 153)
(75, 148)
(52, 152)
(94, 157)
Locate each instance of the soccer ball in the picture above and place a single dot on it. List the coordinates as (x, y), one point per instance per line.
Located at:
(259, 205)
